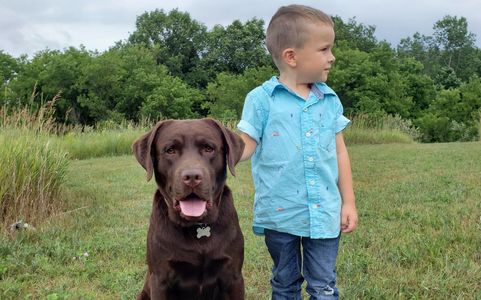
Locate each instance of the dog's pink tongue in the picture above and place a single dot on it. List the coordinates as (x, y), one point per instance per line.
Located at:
(193, 208)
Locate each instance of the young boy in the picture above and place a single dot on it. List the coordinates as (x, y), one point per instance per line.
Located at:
(301, 170)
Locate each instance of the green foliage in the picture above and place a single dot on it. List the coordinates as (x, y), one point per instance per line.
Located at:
(453, 115)
(372, 83)
(451, 35)
(172, 66)
(354, 35)
(176, 39)
(8, 67)
(235, 48)
(173, 99)
(227, 93)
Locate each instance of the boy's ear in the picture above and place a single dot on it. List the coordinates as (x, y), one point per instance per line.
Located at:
(289, 57)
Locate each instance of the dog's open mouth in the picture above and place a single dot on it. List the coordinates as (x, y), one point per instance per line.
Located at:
(192, 205)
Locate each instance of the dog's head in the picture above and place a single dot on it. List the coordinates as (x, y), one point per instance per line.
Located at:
(189, 159)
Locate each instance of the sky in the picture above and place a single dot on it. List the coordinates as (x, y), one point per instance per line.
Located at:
(29, 26)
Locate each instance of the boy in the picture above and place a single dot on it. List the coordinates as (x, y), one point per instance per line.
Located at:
(301, 169)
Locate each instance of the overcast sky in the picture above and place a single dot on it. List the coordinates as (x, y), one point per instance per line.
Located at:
(27, 26)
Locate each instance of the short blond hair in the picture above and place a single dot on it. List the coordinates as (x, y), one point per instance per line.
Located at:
(288, 28)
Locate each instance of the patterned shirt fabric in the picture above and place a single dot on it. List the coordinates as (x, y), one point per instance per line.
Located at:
(294, 167)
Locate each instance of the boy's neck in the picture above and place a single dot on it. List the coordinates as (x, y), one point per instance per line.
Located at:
(302, 89)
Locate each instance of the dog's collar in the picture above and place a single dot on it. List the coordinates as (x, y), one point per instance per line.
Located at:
(203, 230)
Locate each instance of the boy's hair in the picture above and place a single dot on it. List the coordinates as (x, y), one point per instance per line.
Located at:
(287, 28)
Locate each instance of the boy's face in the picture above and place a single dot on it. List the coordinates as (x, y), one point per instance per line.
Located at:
(314, 59)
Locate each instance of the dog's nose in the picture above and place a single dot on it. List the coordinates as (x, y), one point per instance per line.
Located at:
(191, 177)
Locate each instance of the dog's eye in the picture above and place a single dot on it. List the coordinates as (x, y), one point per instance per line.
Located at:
(208, 149)
(170, 150)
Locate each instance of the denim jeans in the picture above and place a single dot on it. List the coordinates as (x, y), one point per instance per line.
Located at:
(316, 264)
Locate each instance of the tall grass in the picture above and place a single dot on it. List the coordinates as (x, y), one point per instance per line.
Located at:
(479, 127)
(98, 143)
(32, 170)
(387, 129)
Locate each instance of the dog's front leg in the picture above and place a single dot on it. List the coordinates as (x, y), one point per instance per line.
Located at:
(158, 290)
(236, 291)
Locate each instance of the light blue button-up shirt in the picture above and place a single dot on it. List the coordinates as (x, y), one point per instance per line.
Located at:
(294, 167)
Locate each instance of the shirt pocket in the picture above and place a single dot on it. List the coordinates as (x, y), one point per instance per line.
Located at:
(327, 135)
(278, 144)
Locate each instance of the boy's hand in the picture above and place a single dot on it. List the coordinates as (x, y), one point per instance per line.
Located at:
(348, 218)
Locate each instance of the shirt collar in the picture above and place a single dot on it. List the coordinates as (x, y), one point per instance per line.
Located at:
(319, 88)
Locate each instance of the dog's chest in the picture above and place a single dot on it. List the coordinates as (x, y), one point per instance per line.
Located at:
(201, 273)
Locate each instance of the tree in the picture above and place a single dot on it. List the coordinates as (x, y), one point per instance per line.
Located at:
(227, 93)
(9, 68)
(454, 114)
(423, 49)
(176, 40)
(172, 98)
(51, 73)
(235, 48)
(419, 86)
(101, 87)
(451, 35)
(354, 35)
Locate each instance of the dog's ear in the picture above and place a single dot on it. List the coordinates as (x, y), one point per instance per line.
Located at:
(234, 144)
(143, 151)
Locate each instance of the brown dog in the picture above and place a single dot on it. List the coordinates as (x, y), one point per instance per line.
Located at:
(195, 248)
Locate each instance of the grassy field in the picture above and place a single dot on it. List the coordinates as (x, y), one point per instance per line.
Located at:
(419, 235)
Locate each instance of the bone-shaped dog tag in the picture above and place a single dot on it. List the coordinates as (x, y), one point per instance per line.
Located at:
(203, 231)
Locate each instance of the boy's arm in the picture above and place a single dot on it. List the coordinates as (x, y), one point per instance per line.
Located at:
(250, 146)
(349, 216)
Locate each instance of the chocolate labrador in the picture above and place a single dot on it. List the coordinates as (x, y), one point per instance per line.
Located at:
(195, 248)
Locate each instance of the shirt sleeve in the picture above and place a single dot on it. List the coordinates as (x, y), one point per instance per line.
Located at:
(341, 120)
(252, 118)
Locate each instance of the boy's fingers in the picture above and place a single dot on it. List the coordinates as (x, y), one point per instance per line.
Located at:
(348, 225)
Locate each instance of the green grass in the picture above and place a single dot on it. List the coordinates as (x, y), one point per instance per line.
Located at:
(419, 235)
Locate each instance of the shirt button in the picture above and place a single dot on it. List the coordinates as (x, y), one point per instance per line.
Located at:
(310, 158)
(315, 206)
(308, 134)
(305, 109)
(312, 182)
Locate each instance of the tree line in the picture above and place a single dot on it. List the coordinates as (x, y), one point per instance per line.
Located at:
(173, 66)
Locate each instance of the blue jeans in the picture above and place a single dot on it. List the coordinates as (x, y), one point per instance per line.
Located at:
(317, 262)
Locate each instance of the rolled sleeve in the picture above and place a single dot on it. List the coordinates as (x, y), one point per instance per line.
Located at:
(247, 128)
(252, 119)
(341, 120)
(341, 123)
